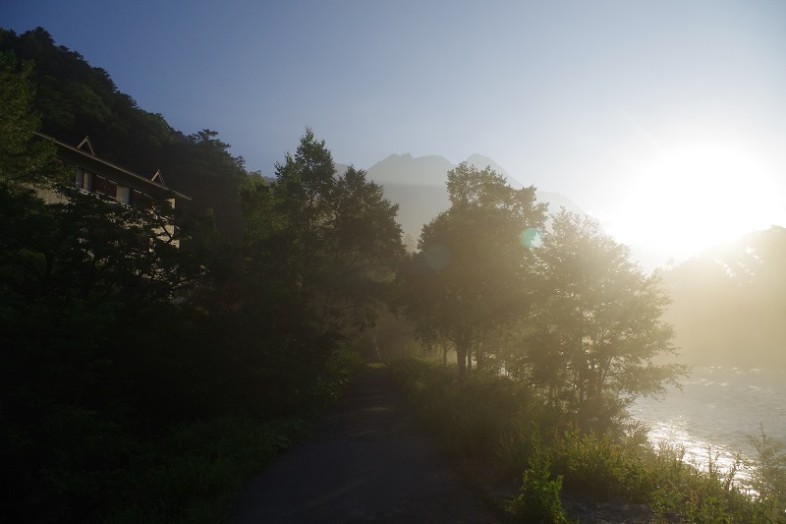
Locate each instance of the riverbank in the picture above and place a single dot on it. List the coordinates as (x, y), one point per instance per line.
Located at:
(717, 414)
(503, 426)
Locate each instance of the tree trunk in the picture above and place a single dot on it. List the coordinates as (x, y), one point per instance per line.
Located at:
(461, 356)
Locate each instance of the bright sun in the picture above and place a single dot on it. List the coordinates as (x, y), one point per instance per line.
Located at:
(694, 197)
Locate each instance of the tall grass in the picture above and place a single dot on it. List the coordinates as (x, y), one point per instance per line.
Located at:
(503, 425)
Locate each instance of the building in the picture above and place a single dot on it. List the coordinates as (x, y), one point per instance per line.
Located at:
(106, 180)
(96, 176)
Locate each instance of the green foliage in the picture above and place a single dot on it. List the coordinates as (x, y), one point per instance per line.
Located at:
(21, 156)
(597, 325)
(486, 419)
(201, 166)
(769, 479)
(342, 364)
(678, 489)
(599, 467)
(467, 285)
(570, 315)
(539, 500)
(190, 474)
(337, 233)
(75, 100)
(496, 422)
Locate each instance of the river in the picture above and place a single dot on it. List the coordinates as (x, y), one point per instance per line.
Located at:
(718, 407)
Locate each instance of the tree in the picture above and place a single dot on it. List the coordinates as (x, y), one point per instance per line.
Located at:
(335, 236)
(21, 155)
(597, 324)
(468, 283)
(203, 167)
(86, 317)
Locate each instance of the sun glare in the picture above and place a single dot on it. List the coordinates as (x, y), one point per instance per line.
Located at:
(695, 197)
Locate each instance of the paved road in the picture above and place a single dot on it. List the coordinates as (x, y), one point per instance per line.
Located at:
(369, 463)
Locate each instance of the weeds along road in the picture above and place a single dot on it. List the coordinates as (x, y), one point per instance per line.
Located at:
(369, 462)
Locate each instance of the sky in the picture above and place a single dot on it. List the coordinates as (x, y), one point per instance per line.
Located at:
(665, 120)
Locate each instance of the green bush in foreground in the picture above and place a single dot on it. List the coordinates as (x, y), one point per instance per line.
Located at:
(599, 466)
(771, 479)
(539, 501)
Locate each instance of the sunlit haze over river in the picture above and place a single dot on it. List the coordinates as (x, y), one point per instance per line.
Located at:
(718, 407)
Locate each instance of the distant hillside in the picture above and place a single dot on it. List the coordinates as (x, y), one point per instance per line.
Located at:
(417, 185)
(729, 304)
(407, 170)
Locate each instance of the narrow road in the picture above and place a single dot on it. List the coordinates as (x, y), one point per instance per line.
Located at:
(368, 463)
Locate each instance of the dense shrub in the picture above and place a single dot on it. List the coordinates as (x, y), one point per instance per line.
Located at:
(600, 466)
(464, 420)
(539, 501)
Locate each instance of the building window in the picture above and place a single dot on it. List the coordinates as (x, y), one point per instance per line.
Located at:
(141, 200)
(105, 187)
(111, 189)
(87, 182)
(124, 195)
(100, 184)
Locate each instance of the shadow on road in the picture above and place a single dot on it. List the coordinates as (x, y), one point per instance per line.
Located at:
(369, 462)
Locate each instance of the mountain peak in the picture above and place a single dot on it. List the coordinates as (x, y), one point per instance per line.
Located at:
(417, 185)
(482, 162)
(406, 169)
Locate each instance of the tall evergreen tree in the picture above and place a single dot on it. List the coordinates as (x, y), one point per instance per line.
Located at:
(340, 237)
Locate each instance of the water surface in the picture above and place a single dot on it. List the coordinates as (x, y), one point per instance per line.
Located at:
(718, 408)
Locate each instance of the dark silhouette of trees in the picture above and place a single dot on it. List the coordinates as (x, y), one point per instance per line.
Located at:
(337, 233)
(111, 336)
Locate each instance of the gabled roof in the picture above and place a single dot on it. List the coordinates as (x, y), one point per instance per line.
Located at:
(158, 177)
(87, 146)
(84, 156)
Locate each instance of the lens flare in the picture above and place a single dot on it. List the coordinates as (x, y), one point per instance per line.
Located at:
(530, 238)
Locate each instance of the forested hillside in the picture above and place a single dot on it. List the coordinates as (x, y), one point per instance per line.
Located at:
(74, 100)
(141, 382)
